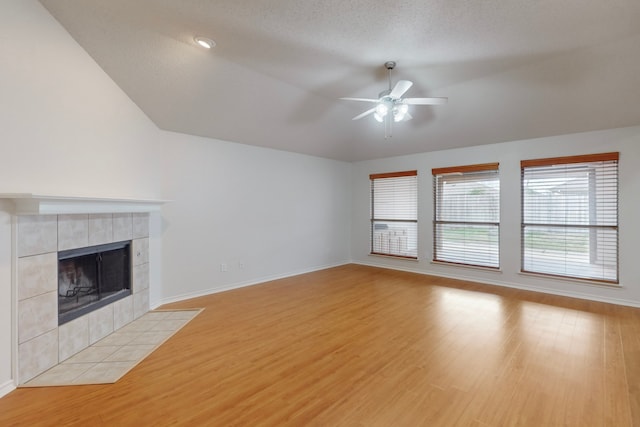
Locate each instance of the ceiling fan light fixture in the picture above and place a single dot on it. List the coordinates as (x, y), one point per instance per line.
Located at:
(399, 112)
(382, 110)
(205, 42)
(378, 117)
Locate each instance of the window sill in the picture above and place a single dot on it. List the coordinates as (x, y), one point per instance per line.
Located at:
(588, 282)
(400, 257)
(472, 267)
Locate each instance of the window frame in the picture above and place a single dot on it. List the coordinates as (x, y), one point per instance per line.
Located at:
(437, 205)
(562, 162)
(374, 219)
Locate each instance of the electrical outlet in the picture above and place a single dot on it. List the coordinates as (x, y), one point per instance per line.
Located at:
(223, 267)
(240, 266)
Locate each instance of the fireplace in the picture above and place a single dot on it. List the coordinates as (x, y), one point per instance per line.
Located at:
(92, 277)
(43, 337)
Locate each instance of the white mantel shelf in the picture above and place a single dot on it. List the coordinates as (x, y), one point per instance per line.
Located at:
(38, 204)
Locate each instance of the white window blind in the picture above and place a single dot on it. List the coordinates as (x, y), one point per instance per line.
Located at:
(570, 216)
(394, 214)
(466, 224)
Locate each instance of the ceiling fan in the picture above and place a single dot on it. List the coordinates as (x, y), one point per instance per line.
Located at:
(390, 105)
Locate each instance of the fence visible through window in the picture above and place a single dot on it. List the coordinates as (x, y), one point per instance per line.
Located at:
(466, 223)
(570, 217)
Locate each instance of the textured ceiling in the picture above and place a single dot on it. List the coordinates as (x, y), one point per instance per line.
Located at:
(512, 70)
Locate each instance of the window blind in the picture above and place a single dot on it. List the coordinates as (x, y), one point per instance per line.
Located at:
(394, 214)
(570, 216)
(466, 224)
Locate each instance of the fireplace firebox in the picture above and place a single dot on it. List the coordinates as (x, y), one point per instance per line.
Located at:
(92, 277)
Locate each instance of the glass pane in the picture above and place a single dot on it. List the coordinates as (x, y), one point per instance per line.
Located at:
(468, 244)
(468, 198)
(395, 198)
(570, 194)
(589, 253)
(395, 238)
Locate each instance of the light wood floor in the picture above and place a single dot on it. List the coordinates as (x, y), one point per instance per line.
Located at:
(360, 346)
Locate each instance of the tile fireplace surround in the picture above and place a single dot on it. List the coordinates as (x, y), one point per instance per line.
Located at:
(43, 344)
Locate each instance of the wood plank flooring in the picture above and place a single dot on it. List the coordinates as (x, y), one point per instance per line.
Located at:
(361, 346)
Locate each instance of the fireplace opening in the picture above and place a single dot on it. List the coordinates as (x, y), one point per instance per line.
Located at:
(92, 277)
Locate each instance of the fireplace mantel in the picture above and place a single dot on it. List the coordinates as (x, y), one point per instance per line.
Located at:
(39, 204)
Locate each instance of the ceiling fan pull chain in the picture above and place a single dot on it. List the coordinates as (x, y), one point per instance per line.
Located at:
(388, 123)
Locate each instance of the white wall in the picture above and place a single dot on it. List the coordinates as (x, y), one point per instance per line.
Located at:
(6, 301)
(277, 213)
(625, 140)
(66, 127)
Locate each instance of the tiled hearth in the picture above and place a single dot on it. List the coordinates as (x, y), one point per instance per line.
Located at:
(109, 359)
(43, 344)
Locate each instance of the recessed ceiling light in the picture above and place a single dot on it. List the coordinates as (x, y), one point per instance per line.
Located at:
(205, 42)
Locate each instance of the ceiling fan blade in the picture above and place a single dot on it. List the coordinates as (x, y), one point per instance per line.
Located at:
(400, 88)
(360, 99)
(425, 101)
(407, 117)
(366, 113)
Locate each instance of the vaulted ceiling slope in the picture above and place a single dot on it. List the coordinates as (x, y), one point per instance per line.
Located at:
(512, 70)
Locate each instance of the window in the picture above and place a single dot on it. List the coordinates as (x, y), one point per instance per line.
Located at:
(570, 217)
(466, 223)
(394, 214)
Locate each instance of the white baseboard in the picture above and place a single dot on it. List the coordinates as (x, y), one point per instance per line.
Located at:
(238, 285)
(7, 387)
(543, 290)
